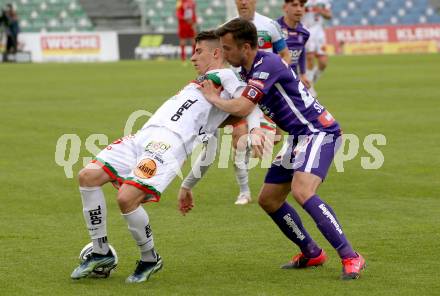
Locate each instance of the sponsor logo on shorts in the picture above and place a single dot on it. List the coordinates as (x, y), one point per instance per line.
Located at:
(119, 141)
(157, 147)
(146, 168)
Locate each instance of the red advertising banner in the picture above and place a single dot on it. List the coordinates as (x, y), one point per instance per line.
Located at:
(384, 39)
(61, 44)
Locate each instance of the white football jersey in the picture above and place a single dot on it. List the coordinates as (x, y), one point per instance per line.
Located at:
(311, 17)
(269, 32)
(189, 115)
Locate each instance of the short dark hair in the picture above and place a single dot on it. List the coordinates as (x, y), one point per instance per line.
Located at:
(243, 31)
(303, 2)
(206, 36)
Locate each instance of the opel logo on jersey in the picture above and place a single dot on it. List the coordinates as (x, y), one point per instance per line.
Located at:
(185, 106)
(146, 168)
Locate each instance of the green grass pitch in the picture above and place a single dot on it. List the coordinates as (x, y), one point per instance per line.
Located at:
(391, 215)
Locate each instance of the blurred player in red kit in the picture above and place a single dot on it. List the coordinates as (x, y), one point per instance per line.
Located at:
(186, 14)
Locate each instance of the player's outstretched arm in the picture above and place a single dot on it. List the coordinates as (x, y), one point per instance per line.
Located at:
(241, 106)
(285, 55)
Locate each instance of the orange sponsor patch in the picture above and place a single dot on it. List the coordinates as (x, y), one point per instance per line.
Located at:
(146, 169)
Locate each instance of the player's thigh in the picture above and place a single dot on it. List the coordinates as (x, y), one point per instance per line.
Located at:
(313, 155)
(310, 59)
(321, 49)
(118, 159)
(93, 175)
(272, 196)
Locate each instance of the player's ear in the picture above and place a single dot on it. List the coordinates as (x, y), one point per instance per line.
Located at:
(246, 46)
(217, 52)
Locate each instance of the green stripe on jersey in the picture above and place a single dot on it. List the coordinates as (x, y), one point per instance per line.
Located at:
(214, 78)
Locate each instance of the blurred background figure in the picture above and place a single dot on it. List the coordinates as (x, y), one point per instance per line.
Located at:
(317, 12)
(296, 36)
(187, 24)
(9, 20)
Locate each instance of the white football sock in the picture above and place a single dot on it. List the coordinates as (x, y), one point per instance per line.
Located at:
(241, 171)
(317, 73)
(310, 73)
(100, 245)
(95, 215)
(138, 225)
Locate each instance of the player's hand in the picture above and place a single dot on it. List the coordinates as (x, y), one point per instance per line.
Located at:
(304, 80)
(185, 200)
(257, 141)
(209, 91)
(278, 136)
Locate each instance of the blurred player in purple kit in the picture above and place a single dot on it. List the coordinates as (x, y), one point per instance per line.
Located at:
(302, 164)
(296, 36)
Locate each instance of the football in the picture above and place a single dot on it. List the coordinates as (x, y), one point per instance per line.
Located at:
(100, 272)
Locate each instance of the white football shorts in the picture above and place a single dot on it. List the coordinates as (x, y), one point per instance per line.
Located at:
(148, 160)
(317, 41)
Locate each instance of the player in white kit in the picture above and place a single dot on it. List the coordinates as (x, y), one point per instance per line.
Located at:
(141, 166)
(317, 12)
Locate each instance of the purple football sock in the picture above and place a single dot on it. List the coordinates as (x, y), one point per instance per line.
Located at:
(290, 224)
(329, 226)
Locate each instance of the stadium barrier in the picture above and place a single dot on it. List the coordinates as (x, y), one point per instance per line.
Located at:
(110, 46)
(384, 39)
(149, 46)
(71, 47)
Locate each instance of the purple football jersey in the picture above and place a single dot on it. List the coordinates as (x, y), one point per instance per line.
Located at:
(282, 97)
(296, 39)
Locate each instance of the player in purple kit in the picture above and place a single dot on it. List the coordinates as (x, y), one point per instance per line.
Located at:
(296, 36)
(302, 164)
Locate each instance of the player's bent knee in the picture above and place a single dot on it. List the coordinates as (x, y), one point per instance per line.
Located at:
(301, 194)
(268, 204)
(129, 198)
(126, 202)
(90, 177)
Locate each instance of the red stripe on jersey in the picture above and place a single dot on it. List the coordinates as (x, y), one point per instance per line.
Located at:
(265, 45)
